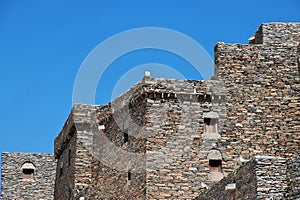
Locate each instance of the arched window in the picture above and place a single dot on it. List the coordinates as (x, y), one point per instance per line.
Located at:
(28, 170)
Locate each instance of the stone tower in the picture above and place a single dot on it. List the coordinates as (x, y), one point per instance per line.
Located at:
(174, 138)
(158, 126)
(235, 136)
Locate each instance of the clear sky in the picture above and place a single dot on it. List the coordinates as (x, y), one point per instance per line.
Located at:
(43, 43)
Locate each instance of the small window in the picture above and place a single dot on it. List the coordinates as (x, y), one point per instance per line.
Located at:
(129, 175)
(28, 170)
(129, 178)
(69, 158)
(210, 125)
(125, 136)
(215, 165)
(207, 98)
(61, 172)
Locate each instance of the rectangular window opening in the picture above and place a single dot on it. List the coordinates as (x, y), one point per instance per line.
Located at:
(215, 165)
(207, 98)
(61, 172)
(28, 173)
(129, 175)
(210, 125)
(69, 158)
(125, 136)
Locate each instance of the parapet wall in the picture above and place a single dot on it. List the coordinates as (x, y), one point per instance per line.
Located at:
(40, 186)
(277, 34)
(261, 178)
(243, 185)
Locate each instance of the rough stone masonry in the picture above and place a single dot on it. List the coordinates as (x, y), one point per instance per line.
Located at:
(235, 136)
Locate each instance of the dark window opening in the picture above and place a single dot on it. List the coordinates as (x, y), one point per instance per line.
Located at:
(61, 172)
(28, 173)
(201, 98)
(28, 170)
(210, 125)
(129, 175)
(215, 165)
(69, 158)
(125, 135)
(207, 98)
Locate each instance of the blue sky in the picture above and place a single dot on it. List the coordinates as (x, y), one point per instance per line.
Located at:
(43, 43)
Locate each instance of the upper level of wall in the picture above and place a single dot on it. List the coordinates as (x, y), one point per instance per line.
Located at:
(151, 88)
(263, 84)
(28, 176)
(277, 33)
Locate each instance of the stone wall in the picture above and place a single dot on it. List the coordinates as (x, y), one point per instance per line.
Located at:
(177, 147)
(263, 177)
(166, 141)
(65, 170)
(243, 182)
(271, 177)
(86, 147)
(74, 170)
(40, 186)
(159, 140)
(172, 121)
(262, 82)
(277, 34)
(293, 175)
(263, 100)
(117, 149)
(111, 163)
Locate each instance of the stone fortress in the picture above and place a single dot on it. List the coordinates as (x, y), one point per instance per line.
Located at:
(235, 136)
